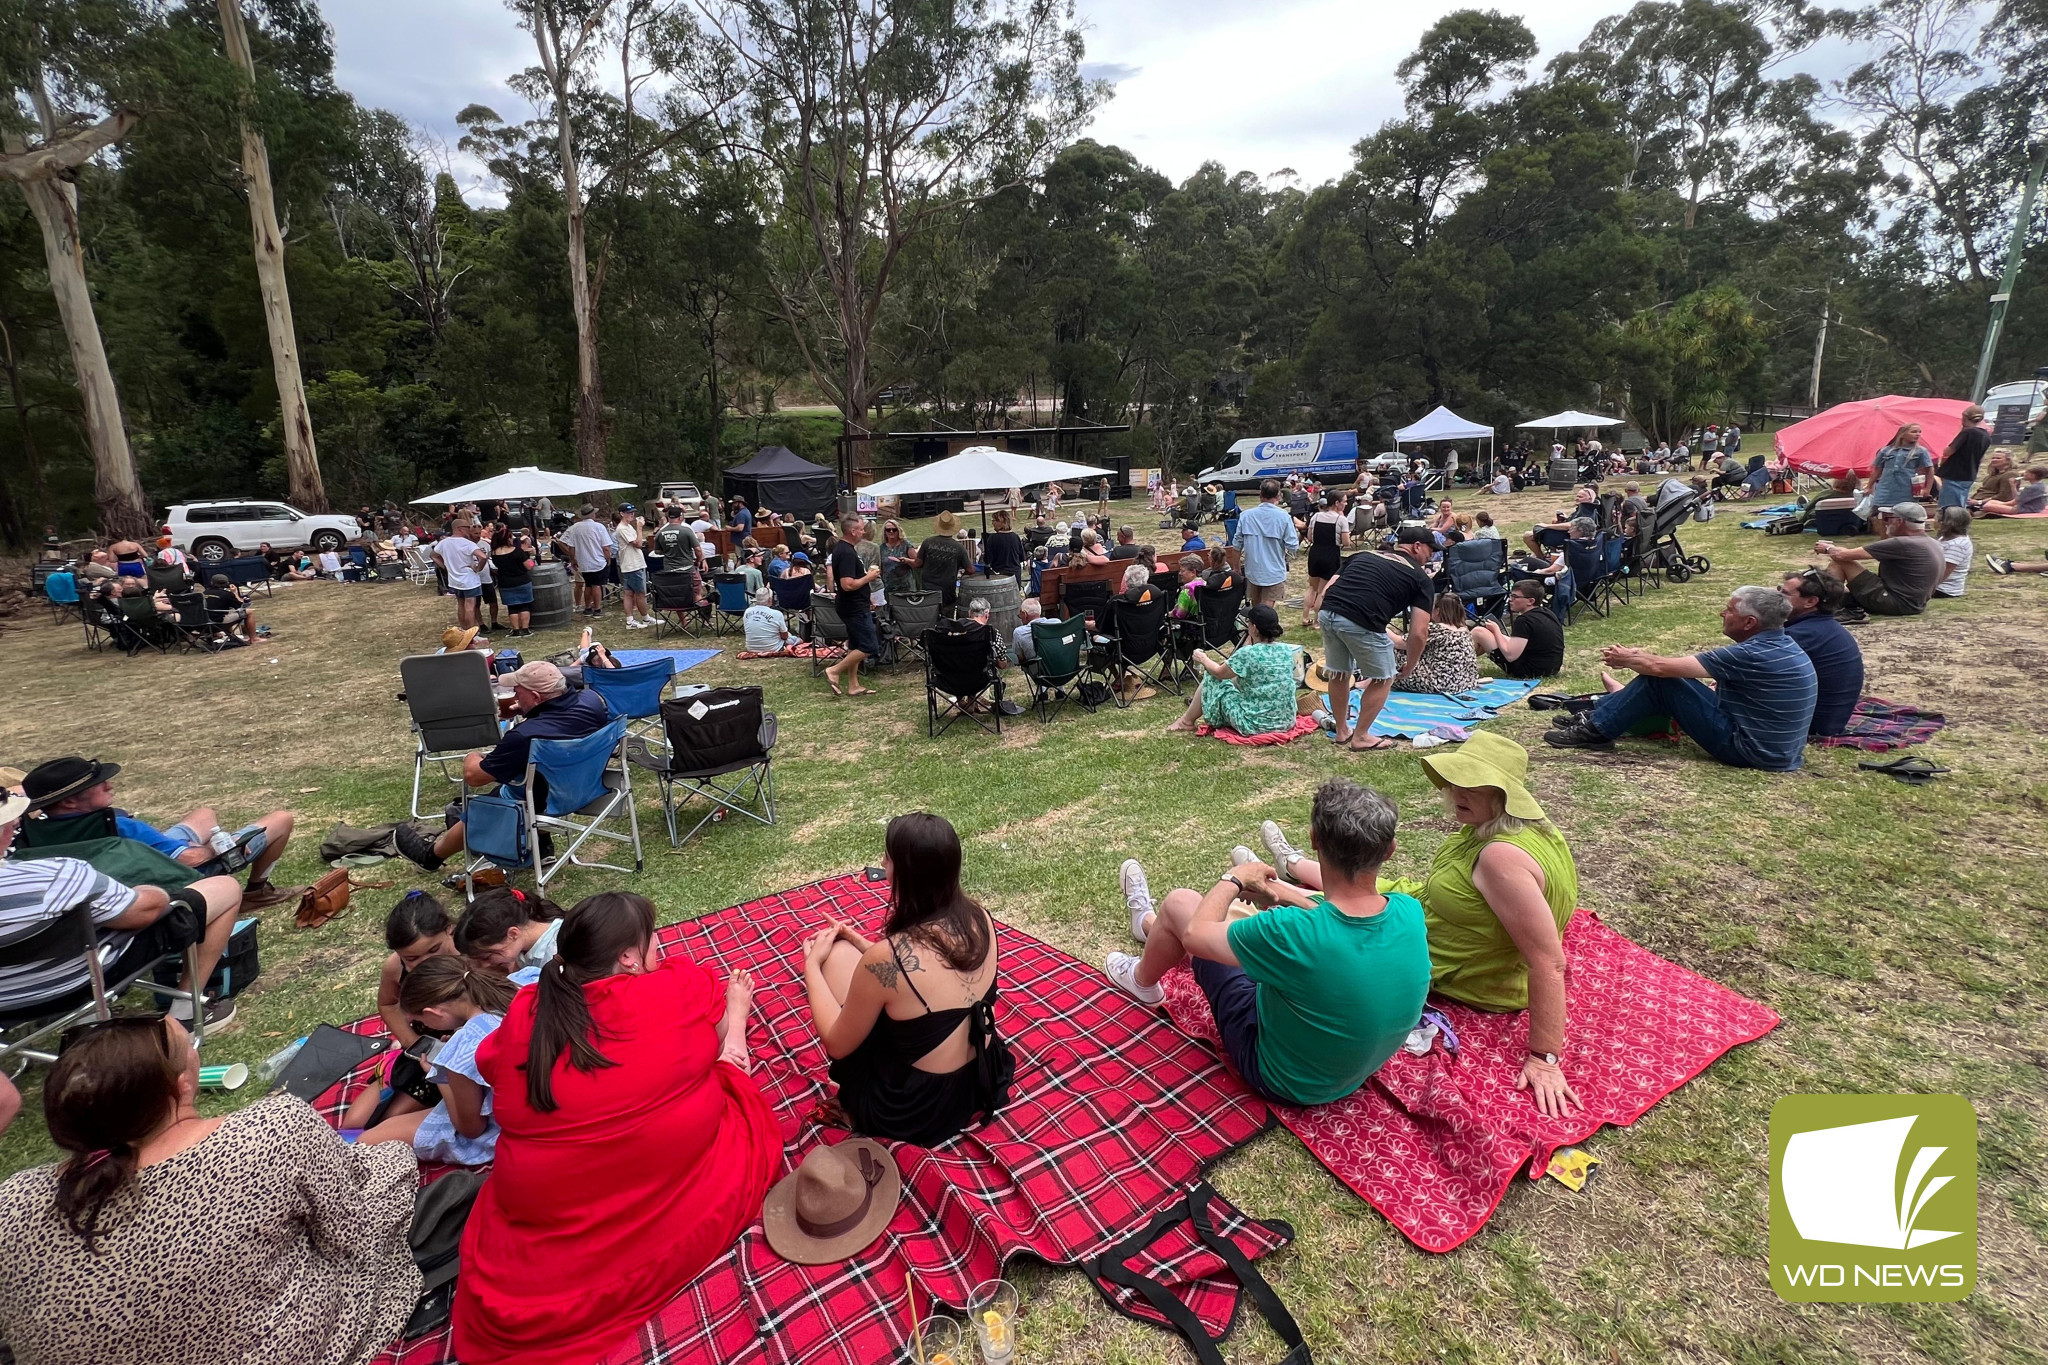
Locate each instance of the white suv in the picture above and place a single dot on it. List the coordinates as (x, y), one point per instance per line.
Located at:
(213, 531)
(686, 496)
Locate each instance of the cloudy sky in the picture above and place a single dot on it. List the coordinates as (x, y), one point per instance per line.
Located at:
(1287, 84)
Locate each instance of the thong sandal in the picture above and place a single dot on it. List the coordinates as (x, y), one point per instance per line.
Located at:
(1380, 743)
(1913, 770)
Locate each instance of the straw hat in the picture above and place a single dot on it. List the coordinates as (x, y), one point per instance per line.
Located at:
(946, 524)
(1317, 677)
(1487, 760)
(836, 1203)
(455, 639)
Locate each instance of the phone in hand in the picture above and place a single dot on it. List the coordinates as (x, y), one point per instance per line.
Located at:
(875, 874)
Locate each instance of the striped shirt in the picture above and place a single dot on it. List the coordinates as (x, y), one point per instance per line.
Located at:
(1766, 687)
(37, 890)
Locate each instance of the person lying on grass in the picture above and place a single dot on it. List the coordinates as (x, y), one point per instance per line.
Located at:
(1314, 994)
(1755, 716)
(1494, 906)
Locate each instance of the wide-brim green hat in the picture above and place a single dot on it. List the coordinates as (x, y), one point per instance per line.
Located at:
(1487, 760)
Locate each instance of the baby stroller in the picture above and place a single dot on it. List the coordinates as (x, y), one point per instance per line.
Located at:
(1657, 544)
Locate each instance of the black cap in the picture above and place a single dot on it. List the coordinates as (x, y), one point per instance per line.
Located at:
(1264, 619)
(1412, 534)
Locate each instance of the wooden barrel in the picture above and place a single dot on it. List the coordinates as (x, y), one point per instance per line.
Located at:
(552, 596)
(1003, 602)
(1564, 475)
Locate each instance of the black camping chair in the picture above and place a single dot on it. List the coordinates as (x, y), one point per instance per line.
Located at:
(910, 615)
(166, 578)
(1083, 599)
(1477, 571)
(197, 629)
(1131, 639)
(721, 745)
(826, 630)
(1219, 626)
(135, 626)
(454, 711)
(960, 667)
(675, 599)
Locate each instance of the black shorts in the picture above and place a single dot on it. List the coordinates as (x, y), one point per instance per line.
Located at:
(861, 633)
(1515, 668)
(597, 579)
(178, 928)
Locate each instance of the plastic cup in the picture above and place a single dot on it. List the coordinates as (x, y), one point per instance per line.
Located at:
(939, 1342)
(233, 1076)
(992, 1308)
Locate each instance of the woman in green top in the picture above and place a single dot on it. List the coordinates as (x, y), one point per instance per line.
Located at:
(1496, 901)
(1252, 691)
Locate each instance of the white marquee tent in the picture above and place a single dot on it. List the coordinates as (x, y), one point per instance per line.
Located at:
(1441, 424)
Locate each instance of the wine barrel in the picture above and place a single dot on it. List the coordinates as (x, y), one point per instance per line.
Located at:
(552, 596)
(1564, 475)
(1004, 602)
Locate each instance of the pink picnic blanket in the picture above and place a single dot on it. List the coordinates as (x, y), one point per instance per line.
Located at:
(1433, 1142)
(1302, 725)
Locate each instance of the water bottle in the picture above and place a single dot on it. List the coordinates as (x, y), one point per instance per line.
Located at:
(273, 1066)
(221, 842)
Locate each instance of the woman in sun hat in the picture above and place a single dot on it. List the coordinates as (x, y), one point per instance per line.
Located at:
(1496, 901)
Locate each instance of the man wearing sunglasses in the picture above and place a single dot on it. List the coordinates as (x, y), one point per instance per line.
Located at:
(137, 924)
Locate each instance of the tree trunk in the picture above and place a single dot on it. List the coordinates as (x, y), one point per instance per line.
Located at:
(302, 461)
(590, 448)
(117, 487)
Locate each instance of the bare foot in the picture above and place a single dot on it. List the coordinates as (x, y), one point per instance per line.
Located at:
(1610, 682)
(832, 681)
(739, 998)
(1178, 728)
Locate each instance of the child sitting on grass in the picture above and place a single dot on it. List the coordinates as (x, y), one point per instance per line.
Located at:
(416, 930)
(470, 1002)
(506, 930)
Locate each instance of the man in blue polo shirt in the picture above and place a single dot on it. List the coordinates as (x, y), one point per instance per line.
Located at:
(548, 710)
(1755, 716)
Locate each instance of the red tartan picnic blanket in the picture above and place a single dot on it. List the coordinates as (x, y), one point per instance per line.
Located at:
(1114, 1112)
(797, 649)
(1878, 726)
(1302, 725)
(1433, 1142)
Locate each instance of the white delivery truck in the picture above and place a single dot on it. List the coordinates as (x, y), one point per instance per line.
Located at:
(1322, 455)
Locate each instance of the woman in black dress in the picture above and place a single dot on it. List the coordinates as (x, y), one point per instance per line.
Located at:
(1329, 531)
(909, 1018)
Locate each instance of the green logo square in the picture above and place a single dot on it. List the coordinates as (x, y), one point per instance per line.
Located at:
(1873, 1198)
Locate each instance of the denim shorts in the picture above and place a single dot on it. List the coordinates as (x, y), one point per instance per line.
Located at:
(861, 633)
(633, 580)
(1350, 648)
(521, 596)
(471, 593)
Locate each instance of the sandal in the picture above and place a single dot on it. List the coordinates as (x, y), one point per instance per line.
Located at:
(1912, 770)
(1379, 744)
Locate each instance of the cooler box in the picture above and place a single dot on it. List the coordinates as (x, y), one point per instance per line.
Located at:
(1837, 517)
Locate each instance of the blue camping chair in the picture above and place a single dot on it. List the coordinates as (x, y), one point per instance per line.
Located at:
(634, 693)
(1614, 577)
(588, 784)
(1584, 567)
(247, 571)
(357, 569)
(61, 588)
(732, 601)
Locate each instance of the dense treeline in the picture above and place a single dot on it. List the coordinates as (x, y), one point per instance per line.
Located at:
(722, 205)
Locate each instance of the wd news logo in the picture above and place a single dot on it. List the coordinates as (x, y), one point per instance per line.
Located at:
(1873, 1198)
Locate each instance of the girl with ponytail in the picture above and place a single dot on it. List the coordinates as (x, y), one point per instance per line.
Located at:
(166, 1235)
(632, 1150)
(454, 996)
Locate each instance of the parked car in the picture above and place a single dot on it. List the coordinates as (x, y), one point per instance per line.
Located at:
(687, 496)
(2032, 392)
(221, 529)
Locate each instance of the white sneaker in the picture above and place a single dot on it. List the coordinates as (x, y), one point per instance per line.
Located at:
(1284, 853)
(1240, 855)
(1137, 895)
(1122, 969)
(633, 623)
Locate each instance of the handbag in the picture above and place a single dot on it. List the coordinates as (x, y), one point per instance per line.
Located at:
(324, 899)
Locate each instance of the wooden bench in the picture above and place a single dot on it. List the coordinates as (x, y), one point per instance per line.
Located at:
(1054, 580)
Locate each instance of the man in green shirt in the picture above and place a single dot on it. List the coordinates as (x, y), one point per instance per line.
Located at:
(1312, 995)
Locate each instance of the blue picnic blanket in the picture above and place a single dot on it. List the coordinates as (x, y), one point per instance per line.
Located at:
(685, 659)
(1408, 714)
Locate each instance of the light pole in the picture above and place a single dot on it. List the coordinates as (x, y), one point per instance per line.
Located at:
(2014, 251)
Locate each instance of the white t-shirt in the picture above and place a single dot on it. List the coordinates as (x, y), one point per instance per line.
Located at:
(766, 628)
(330, 563)
(458, 556)
(701, 527)
(1503, 484)
(1957, 552)
(590, 541)
(626, 536)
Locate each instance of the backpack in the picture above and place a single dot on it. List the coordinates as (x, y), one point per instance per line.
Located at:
(440, 1212)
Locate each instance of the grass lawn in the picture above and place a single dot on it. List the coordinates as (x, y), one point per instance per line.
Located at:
(1898, 930)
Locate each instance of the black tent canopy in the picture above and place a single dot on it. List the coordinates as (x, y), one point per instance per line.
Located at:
(778, 479)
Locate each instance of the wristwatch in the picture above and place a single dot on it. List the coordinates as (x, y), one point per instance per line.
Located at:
(1232, 879)
(1548, 1057)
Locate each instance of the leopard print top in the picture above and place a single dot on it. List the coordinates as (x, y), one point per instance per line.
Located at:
(270, 1240)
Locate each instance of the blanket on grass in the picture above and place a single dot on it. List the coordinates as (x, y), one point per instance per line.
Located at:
(797, 649)
(1433, 1142)
(1409, 714)
(685, 659)
(1302, 725)
(1878, 726)
(1114, 1113)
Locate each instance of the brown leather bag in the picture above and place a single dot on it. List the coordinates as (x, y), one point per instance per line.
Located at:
(325, 899)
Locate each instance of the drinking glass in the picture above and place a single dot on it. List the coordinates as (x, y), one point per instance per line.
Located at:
(939, 1342)
(992, 1308)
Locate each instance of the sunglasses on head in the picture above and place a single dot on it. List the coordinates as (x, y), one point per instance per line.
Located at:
(153, 1020)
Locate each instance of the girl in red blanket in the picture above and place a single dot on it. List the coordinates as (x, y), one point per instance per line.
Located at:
(633, 1149)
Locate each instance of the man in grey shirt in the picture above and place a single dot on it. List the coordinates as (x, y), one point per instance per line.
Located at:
(1908, 564)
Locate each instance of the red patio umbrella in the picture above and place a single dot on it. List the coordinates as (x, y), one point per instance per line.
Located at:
(1845, 439)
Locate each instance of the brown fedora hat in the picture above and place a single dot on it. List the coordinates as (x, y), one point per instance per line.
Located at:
(835, 1204)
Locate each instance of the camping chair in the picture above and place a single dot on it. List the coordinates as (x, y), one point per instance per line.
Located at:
(136, 626)
(674, 597)
(588, 781)
(60, 589)
(792, 597)
(732, 604)
(251, 572)
(1220, 624)
(195, 625)
(1477, 571)
(960, 666)
(166, 578)
(1057, 674)
(827, 629)
(718, 745)
(73, 937)
(1585, 565)
(911, 614)
(1085, 598)
(419, 566)
(1613, 581)
(1131, 638)
(634, 692)
(454, 711)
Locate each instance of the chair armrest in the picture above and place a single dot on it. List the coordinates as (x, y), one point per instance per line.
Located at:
(768, 731)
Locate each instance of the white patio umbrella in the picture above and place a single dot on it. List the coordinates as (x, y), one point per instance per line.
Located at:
(525, 481)
(1569, 419)
(981, 469)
